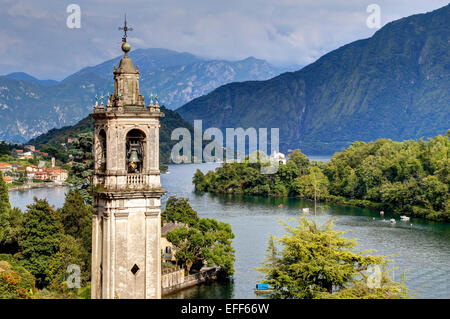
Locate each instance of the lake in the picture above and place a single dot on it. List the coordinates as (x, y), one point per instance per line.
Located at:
(420, 247)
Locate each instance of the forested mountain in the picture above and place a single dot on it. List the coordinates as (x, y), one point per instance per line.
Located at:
(392, 85)
(21, 76)
(29, 107)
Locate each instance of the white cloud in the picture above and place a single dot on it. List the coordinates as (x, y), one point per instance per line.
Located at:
(280, 31)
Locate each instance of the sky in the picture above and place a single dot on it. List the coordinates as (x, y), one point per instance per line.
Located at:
(37, 40)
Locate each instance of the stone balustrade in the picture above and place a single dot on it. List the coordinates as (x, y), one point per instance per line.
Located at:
(135, 180)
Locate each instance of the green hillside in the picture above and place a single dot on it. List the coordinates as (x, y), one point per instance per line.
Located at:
(392, 85)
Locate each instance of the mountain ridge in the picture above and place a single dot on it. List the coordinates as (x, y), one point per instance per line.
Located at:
(393, 85)
(28, 108)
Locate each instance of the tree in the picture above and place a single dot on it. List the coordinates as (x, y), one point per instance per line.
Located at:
(70, 253)
(76, 216)
(83, 164)
(272, 259)
(5, 208)
(318, 262)
(314, 185)
(76, 219)
(199, 180)
(179, 210)
(11, 242)
(200, 240)
(41, 236)
(4, 148)
(300, 160)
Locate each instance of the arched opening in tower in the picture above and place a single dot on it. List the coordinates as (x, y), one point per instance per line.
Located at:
(135, 151)
(102, 143)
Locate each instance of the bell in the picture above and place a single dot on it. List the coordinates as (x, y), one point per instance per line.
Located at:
(103, 161)
(134, 157)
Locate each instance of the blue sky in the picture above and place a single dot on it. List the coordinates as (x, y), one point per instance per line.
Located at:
(37, 40)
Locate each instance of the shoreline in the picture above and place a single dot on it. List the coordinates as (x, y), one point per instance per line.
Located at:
(37, 185)
(343, 201)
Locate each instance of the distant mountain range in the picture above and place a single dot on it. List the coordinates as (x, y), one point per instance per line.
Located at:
(21, 76)
(395, 85)
(29, 107)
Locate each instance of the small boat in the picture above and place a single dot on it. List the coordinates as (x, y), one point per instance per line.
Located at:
(305, 210)
(404, 218)
(392, 221)
(263, 288)
(281, 205)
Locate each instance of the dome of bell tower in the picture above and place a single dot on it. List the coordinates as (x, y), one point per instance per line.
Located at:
(126, 65)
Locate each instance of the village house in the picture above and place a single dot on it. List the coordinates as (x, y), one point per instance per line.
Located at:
(5, 167)
(279, 157)
(39, 175)
(168, 249)
(56, 174)
(30, 148)
(33, 169)
(7, 179)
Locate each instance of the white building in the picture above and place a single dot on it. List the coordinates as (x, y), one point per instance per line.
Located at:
(278, 156)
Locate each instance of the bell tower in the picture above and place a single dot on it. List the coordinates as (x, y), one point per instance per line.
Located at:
(126, 226)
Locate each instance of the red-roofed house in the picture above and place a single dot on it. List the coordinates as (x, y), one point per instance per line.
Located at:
(5, 167)
(7, 179)
(57, 174)
(41, 175)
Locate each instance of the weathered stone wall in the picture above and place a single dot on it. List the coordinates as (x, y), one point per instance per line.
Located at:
(175, 281)
(172, 278)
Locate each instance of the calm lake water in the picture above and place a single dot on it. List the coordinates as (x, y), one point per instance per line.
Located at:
(420, 247)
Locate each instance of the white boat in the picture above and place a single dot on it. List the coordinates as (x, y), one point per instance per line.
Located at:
(393, 221)
(404, 218)
(305, 210)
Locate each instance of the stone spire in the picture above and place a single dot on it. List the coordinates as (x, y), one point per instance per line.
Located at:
(126, 79)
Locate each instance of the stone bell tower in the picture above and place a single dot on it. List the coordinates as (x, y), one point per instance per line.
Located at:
(126, 227)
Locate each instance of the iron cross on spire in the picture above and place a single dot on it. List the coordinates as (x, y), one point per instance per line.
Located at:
(125, 29)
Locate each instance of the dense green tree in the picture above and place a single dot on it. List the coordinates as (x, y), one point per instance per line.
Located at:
(410, 177)
(40, 240)
(179, 210)
(70, 253)
(76, 216)
(300, 160)
(4, 211)
(82, 169)
(316, 261)
(4, 148)
(314, 185)
(200, 240)
(199, 180)
(11, 242)
(76, 219)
